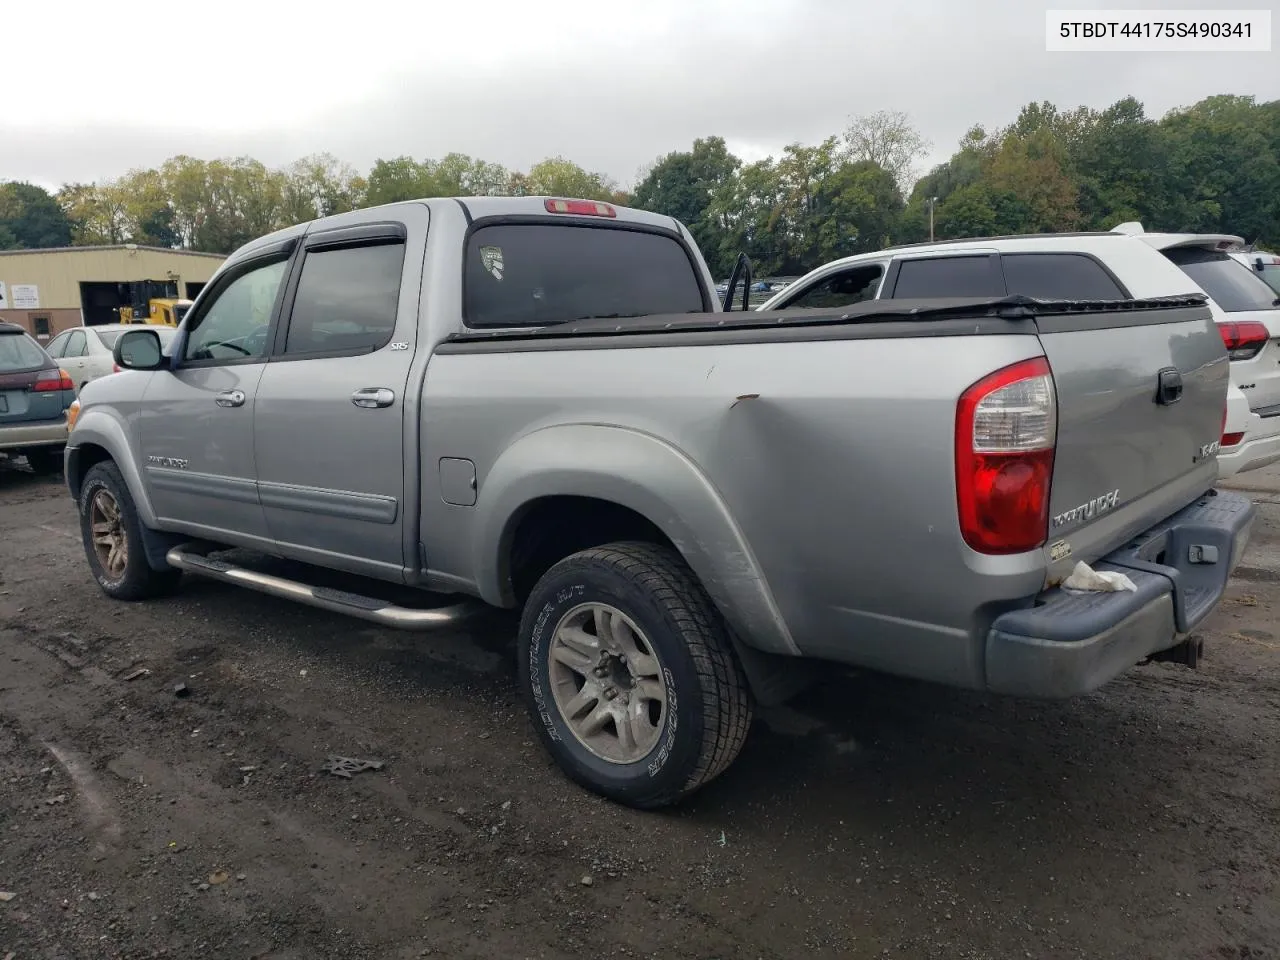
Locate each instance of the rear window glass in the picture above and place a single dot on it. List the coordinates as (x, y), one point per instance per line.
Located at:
(530, 274)
(1271, 275)
(1058, 276)
(1233, 286)
(949, 277)
(20, 352)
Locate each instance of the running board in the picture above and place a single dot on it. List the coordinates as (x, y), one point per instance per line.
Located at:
(191, 558)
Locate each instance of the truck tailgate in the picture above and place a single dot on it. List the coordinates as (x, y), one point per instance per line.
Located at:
(1141, 397)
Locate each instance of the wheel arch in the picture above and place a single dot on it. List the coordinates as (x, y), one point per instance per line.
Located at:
(641, 483)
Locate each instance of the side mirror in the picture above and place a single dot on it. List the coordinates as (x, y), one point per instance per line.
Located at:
(139, 350)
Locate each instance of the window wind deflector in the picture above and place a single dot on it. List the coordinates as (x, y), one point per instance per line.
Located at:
(381, 232)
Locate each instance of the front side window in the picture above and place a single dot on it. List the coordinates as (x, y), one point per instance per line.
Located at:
(949, 277)
(841, 289)
(346, 300)
(236, 323)
(1232, 285)
(59, 344)
(531, 274)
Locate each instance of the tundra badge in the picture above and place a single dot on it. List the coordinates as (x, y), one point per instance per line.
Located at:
(173, 462)
(1087, 511)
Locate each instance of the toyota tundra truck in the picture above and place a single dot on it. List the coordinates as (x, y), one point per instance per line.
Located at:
(537, 404)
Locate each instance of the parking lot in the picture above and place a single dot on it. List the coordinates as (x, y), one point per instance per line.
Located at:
(870, 818)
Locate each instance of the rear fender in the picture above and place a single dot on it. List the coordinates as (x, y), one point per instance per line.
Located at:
(645, 474)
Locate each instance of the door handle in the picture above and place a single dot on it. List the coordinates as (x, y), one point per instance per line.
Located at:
(373, 397)
(231, 398)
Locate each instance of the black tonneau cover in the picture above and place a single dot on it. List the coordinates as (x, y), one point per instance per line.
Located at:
(1008, 308)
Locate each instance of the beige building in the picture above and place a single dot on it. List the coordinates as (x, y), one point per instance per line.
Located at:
(48, 291)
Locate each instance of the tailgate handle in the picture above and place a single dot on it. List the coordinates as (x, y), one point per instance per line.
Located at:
(1169, 389)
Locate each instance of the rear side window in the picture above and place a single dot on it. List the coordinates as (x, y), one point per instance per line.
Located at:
(529, 274)
(346, 300)
(1233, 286)
(19, 353)
(1058, 276)
(949, 277)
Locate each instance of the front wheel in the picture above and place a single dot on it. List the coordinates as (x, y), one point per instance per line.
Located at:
(629, 674)
(112, 536)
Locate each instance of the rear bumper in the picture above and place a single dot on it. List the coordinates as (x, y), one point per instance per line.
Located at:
(1259, 447)
(44, 433)
(1069, 644)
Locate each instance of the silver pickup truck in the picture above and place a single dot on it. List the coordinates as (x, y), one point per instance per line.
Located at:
(538, 404)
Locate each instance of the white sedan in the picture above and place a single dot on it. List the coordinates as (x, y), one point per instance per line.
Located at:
(85, 352)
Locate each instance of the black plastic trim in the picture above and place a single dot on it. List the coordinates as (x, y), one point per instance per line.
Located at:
(383, 231)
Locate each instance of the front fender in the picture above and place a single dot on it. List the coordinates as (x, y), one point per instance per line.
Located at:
(643, 473)
(97, 426)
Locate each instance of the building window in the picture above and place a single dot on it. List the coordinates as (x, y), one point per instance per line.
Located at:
(40, 327)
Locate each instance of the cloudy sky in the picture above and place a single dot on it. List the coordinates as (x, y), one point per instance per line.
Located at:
(95, 89)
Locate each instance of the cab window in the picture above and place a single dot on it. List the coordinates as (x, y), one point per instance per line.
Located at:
(840, 289)
(235, 325)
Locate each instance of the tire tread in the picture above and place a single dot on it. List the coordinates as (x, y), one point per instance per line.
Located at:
(726, 701)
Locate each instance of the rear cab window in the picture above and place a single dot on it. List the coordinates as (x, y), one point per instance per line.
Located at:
(532, 274)
(19, 354)
(1232, 285)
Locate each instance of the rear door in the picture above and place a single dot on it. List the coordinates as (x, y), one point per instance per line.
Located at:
(1252, 329)
(330, 420)
(75, 358)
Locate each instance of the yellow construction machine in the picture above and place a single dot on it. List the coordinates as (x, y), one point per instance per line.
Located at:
(151, 302)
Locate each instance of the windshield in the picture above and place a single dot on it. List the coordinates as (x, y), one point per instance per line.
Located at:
(18, 353)
(1233, 286)
(532, 274)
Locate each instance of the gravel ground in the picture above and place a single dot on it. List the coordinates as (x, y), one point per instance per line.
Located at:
(870, 818)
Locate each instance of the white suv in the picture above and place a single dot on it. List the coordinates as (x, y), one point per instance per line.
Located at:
(1263, 263)
(1106, 265)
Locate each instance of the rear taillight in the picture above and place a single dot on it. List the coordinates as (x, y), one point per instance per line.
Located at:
(48, 385)
(1243, 340)
(1006, 431)
(115, 368)
(1231, 439)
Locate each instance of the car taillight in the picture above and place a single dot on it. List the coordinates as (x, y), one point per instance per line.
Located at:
(115, 368)
(1006, 433)
(1243, 340)
(1231, 439)
(47, 385)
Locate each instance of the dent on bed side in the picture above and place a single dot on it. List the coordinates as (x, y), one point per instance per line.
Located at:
(642, 473)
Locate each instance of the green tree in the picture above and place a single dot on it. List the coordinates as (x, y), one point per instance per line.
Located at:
(32, 217)
(684, 184)
(559, 177)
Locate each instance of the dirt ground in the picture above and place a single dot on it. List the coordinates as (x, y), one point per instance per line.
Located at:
(870, 818)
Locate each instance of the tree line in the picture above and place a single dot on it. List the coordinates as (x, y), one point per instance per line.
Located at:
(1210, 167)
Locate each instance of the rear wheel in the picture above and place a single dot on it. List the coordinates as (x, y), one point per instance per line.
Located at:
(45, 460)
(629, 675)
(112, 536)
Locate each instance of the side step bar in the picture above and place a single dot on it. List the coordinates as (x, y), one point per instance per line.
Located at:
(190, 558)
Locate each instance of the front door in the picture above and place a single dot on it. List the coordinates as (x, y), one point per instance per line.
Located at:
(330, 418)
(197, 422)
